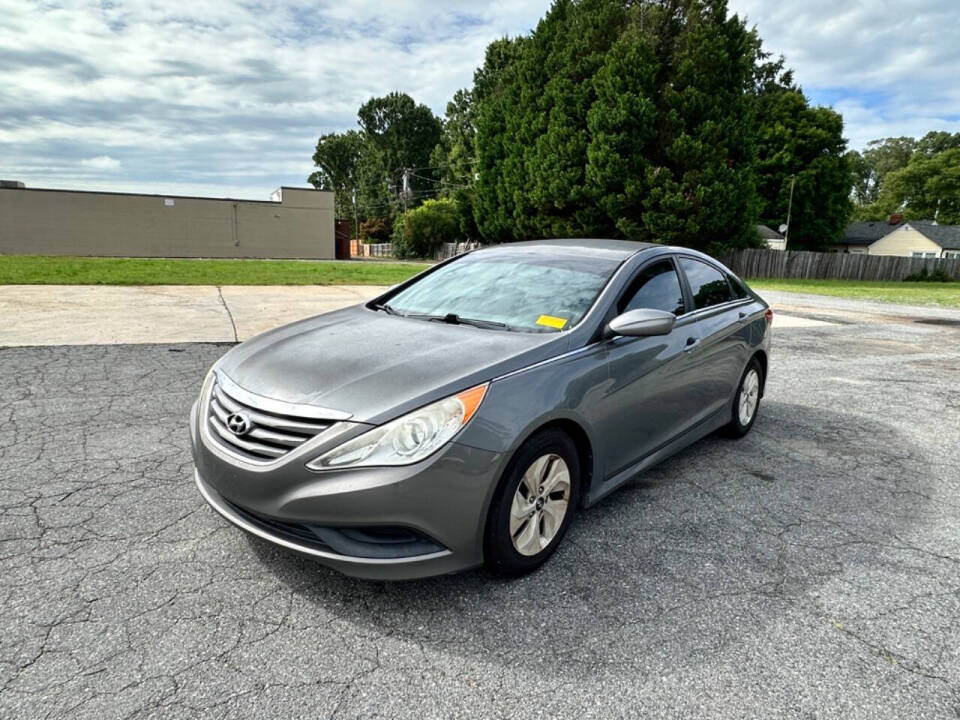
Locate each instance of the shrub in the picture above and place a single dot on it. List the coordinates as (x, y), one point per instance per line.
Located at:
(938, 275)
(376, 230)
(421, 231)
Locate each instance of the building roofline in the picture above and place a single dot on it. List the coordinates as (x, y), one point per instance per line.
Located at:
(158, 195)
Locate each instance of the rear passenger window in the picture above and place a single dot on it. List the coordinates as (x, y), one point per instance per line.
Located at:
(739, 289)
(707, 284)
(657, 287)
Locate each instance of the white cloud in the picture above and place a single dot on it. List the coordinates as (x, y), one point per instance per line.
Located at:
(889, 66)
(222, 96)
(229, 96)
(101, 162)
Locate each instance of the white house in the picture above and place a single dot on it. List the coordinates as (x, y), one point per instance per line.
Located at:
(904, 238)
(773, 239)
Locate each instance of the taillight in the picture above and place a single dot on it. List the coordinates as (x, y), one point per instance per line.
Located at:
(768, 315)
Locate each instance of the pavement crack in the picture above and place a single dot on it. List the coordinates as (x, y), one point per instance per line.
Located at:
(226, 307)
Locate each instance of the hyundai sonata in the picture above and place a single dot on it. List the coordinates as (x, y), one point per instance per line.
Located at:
(462, 417)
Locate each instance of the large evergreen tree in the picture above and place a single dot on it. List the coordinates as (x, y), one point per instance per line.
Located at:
(624, 119)
(495, 86)
(702, 187)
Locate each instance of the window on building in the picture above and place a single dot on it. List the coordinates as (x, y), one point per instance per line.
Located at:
(921, 254)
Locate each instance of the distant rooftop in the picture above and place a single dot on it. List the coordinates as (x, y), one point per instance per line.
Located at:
(17, 185)
(867, 233)
(768, 233)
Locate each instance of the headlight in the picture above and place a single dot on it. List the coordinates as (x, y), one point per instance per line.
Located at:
(407, 439)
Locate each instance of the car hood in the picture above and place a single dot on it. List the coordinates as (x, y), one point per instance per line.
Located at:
(376, 366)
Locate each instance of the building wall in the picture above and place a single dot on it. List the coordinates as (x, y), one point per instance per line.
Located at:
(63, 222)
(852, 249)
(903, 242)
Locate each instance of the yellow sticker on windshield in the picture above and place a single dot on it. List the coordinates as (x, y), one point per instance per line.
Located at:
(551, 321)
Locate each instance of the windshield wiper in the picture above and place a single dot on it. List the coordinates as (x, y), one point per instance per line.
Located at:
(454, 319)
(449, 318)
(388, 310)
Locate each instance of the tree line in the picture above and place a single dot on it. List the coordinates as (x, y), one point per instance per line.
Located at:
(658, 120)
(919, 178)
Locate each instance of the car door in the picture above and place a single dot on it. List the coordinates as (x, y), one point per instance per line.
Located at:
(720, 356)
(647, 401)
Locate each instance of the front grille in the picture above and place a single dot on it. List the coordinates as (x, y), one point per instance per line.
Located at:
(267, 435)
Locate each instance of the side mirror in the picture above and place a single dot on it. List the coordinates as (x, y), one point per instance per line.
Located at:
(642, 322)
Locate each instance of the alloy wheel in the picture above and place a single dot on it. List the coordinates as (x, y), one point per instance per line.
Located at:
(749, 397)
(540, 504)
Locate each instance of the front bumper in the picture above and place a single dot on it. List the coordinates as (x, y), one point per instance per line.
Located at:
(443, 499)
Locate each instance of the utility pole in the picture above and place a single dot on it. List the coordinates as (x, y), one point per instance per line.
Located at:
(405, 188)
(786, 235)
(356, 217)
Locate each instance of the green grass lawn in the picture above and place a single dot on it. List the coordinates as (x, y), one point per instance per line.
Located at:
(911, 293)
(46, 270)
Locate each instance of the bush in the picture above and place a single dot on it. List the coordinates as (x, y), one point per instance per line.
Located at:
(938, 275)
(376, 230)
(421, 231)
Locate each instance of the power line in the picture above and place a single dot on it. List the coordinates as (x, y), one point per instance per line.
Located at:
(470, 161)
(441, 182)
(417, 195)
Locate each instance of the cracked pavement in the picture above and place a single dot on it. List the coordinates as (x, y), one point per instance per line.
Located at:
(809, 570)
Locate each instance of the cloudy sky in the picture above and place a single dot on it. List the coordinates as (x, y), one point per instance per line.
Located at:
(226, 98)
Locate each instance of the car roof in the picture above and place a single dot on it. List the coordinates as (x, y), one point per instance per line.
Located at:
(582, 246)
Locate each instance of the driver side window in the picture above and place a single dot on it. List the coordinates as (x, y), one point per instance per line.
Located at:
(657, 286)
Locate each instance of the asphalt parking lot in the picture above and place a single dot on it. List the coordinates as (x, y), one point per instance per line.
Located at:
(810, 570)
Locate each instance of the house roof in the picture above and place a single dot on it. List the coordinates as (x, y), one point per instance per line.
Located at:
(867, 233)
(768, 233)
(946, 236)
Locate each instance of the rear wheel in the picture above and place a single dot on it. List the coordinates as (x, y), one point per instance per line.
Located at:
(747, 402)
(533, 505)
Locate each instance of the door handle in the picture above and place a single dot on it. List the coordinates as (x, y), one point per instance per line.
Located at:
(692, 343)
(743, 317)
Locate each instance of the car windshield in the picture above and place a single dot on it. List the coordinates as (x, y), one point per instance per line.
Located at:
(511, 289)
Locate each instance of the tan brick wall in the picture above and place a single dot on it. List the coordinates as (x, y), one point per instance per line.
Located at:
(58, 222)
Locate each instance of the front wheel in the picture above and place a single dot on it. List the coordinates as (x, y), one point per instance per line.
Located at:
(746, 403)
(534, 504)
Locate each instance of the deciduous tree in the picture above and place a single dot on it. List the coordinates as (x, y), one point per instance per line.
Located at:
(927, 188)
(802, 146)
(399, 134)
(336, 158)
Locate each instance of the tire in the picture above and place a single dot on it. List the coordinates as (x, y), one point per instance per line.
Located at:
(516, 543)
(745, 408)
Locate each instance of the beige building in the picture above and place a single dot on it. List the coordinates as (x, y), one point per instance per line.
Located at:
(294, 223)
(902, 238)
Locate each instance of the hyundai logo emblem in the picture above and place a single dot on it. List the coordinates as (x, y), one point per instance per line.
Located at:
(238, 423)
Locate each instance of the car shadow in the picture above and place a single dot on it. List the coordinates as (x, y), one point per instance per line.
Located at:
(711, 543)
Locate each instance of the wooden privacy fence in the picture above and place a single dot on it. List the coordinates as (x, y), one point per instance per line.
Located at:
(754, 263)
(448, 250)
